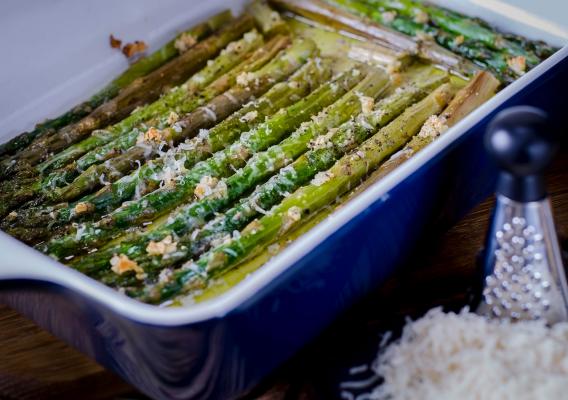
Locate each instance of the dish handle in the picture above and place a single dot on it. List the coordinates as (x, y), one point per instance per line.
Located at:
(20, 262)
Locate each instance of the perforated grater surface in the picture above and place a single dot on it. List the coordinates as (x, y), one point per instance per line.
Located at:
(525, 278)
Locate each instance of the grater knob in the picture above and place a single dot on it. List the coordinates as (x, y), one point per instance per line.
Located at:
(523, 144)
(524, 276)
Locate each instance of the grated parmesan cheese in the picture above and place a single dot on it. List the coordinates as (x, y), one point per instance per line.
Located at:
(367, 104)
(322, 177)
(389, 16)
(465, 356)
(421, 17)
(433, 127)
(250, 116)
(293, 215)
(121, 264)
(210, 186)
(173, 117)
(244, 78)
(184, 42)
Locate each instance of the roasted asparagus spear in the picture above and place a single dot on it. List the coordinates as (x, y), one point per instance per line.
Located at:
(179, 100)
(170, 166)
(249, 86)
(481, 88)
(52, 186)
(327, 14)
(325, 150)
(139, 92)
(266, 163)
(345, 173)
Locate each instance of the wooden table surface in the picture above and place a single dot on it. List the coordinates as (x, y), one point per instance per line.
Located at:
(35, 365)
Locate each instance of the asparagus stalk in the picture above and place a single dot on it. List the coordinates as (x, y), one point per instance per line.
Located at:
(152, 174)
(256, 84)
(265, 164)
(140, 68)
(492, 60)
(268, 133)
(182, 99)
(321, 157)
(462, 25)
(26, 189)
(340, 19)
(268, 20)
(480, 89)
(345, 139)
(221, 163)
(139, 92)
(345, 173)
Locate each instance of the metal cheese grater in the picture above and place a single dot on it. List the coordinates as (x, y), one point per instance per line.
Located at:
(524, 276)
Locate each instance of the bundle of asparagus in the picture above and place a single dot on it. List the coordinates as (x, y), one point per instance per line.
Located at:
(508, 56)
(273, 120)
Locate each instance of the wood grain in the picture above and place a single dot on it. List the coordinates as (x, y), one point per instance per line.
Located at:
(35, 365)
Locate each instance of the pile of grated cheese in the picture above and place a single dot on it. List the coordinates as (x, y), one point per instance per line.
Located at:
(464, 356)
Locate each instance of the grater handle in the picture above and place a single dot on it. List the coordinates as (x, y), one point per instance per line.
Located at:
(523, 143)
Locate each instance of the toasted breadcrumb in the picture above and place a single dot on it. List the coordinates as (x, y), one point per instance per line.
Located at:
(121, 264)
(82, 207)
(151, 135)
(114, 42)
(252, 227)
(210, 186)
(293, 215)
(131, 49)
(273, 249)
(518, 64)
(161, 248)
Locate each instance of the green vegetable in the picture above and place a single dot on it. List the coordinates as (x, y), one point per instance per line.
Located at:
(139, 92)
(150, 176)
(181, 99)
(346, 173)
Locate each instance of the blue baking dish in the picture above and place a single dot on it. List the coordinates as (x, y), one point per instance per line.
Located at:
(221, 348)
